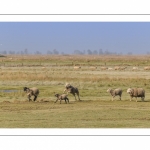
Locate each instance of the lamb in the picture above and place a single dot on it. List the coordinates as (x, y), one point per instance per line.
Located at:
(115, 92)
(136, 92)
(31, 92)
(73, 90)
(62, 97)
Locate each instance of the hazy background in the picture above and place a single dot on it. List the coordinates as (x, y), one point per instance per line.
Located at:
(75, 38)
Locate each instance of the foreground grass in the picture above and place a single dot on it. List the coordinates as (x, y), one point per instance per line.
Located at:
(84, 114)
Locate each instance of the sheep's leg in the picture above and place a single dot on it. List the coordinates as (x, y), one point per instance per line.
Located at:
(120, 97)
(60, 101)
(35, 98)
(56, 100)
(65, 90)
(130, 99)
(74, 96)
(78, 95)
(142, 98)
(29, 97)
(113, 98)
(68, 100)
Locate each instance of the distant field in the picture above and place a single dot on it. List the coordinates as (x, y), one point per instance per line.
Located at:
(50, 73)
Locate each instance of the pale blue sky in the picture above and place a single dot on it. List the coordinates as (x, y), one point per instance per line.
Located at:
(119, 37)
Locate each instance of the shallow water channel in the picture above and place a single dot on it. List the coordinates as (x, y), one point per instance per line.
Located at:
(9, 91)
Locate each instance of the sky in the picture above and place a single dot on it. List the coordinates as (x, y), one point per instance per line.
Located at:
(67, 37)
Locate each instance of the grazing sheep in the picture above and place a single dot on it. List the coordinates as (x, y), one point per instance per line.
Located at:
(115, 93)
(104, 68)
(116, 68)
(119, 68)
(135, 68)
(62, 97)
(136, 92)
(93, 68)
(147, 68)
(31, 92)
(77, 67)
(110, 69)
(73, 90)
(122, 68)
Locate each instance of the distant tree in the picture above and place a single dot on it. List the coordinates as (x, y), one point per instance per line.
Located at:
(49, 52)
(129, 53)
(148, 53)
(22, 52)
(55, 52)
(38, 53)
(79, 52)
(3, 52)
(18, 53)
(101, 52)
(89, 52)
(11, 52)
(106, 52)
(26, 51)
(95, 52)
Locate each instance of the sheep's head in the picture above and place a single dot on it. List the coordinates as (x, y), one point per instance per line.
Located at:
(25, 88)
(67, 85)
(109, 90)
(129, 91)
(57, 95)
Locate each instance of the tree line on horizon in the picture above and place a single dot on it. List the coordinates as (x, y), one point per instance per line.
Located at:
(56, 52)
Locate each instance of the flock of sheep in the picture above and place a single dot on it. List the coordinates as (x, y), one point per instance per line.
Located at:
(68, 88)
(133, 92)
(115, 68)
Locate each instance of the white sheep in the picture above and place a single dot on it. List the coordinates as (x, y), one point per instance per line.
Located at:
(115, 92)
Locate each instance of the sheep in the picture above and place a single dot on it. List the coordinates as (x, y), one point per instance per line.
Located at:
(77, 67)
(73, 90)
(122, 68)
(93, 67)
(62, 97)
(110, 69)
(115, 92)
(147, 68)
(116, 68)
(136, 92)
(31, 92)
(104, 68)
(135, 68)
(119, 68)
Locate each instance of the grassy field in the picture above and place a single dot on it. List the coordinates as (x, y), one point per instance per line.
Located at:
(50, 73)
